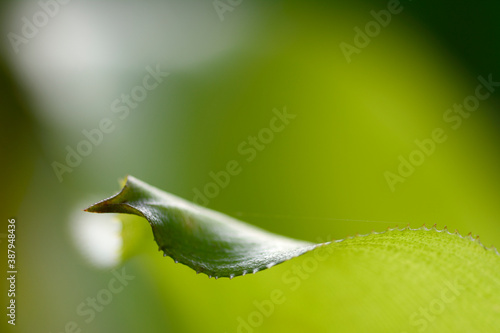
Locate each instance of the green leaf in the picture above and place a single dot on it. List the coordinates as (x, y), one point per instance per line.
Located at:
(221, 246)
(401, 280)
(205, 240)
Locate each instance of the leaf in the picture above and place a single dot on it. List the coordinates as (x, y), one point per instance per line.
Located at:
(207, 241)
(399, 280)
(219, 245)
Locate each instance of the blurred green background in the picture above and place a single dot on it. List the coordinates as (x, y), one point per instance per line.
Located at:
(320, 178)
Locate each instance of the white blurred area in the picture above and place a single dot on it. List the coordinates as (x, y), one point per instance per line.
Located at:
(88, 54)
(97, 237)
(90, 50)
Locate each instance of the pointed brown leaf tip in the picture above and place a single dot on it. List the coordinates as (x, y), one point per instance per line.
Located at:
(116, 203)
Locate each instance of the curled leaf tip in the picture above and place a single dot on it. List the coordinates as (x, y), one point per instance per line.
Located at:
(205, 240)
